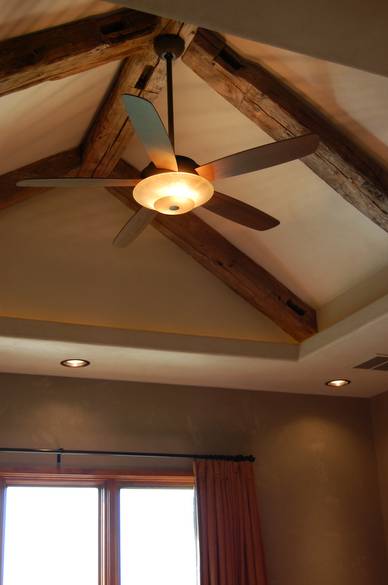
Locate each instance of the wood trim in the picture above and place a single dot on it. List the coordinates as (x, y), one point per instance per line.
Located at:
(110, 132)
(239, 272)
(58, 165)
(91, 477)
(73, 47)
(109, 484)
(102, 537)
(111, 533)
(282, 113)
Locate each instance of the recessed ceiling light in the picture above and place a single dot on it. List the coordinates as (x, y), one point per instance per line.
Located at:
(338, 383)
(75, 363)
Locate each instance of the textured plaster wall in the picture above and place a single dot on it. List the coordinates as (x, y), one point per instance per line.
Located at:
(316, 469)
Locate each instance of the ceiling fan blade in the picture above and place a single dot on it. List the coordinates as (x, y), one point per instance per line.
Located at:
(82, 182)
(259, 158)
(149, 127)
(134, 227)
(240, 212)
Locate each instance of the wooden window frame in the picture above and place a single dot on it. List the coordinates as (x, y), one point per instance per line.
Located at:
(109, 484)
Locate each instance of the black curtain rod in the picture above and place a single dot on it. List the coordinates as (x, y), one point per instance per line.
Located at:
(142, 454)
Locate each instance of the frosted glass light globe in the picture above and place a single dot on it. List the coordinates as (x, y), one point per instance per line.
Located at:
(173, 193)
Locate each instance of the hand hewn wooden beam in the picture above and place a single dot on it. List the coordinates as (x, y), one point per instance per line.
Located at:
(58, 165)
(282, 113)
(74, 47)
(142, 75)
(249, 280)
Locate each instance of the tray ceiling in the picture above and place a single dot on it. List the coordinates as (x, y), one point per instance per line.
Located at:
(55, 249)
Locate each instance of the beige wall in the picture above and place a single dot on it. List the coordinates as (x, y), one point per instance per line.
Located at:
(316, 471)
(380, 426)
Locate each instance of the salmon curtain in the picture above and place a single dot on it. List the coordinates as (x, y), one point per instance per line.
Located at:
(228, 524)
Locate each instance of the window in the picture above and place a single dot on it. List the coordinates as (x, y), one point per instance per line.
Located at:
(51, 535)
(88, 530)
(157, 543)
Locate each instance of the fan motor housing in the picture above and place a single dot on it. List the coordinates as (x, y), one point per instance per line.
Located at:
(185, 165)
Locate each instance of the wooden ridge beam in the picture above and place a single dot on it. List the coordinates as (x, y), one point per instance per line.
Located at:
(282, 113)
(142, 75)
(73, 47)
(239, 272)
(58, 165)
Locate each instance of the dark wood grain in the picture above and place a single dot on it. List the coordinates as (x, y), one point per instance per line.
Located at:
(283, 113)
(73, 47)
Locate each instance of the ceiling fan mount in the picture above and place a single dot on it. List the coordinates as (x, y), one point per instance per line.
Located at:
(169, 46)
(184, 163)
(175, 184)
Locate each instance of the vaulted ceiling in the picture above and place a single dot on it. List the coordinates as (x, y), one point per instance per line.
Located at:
(327, 262)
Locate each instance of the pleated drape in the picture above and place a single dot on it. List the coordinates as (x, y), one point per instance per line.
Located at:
(228, 524)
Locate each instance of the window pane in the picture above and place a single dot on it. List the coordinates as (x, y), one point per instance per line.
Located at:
(158, 544)
(51, 536)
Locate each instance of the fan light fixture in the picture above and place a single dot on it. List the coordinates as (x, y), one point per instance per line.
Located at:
(338, 383)
(75, 363)
(173, 193)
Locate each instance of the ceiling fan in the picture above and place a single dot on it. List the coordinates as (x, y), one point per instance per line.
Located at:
(175, 184)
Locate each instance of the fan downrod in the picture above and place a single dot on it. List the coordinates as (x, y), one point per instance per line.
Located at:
(169, 46)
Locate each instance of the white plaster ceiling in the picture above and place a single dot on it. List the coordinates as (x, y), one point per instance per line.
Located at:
(352, 32)
(50, 117)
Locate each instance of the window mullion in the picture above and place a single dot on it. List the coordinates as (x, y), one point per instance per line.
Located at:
(111, 534)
